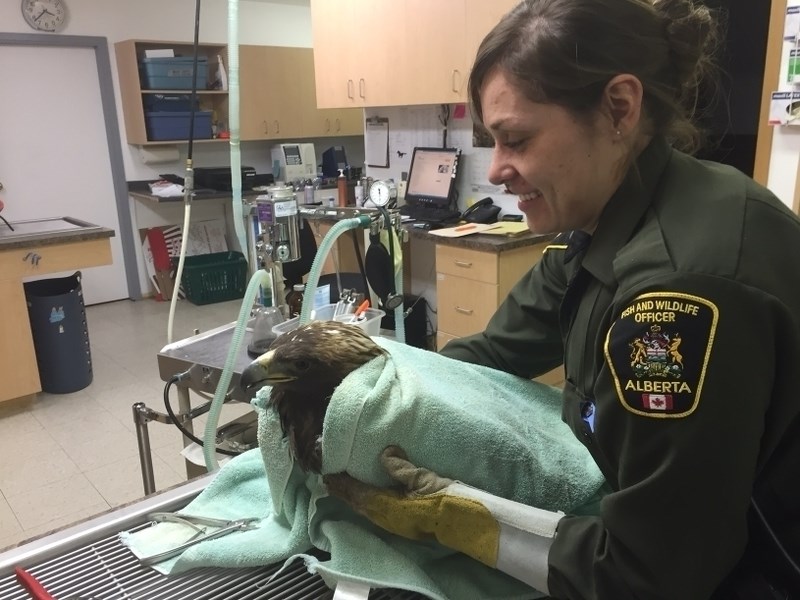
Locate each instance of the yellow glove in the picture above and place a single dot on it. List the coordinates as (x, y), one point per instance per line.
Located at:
(500, 533)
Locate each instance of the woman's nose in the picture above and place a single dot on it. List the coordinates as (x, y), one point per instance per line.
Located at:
(499, 170)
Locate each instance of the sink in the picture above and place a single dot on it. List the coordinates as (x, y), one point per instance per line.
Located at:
(37, 229)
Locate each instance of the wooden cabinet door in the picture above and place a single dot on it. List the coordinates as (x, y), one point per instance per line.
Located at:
(435, 62)
(345, 121)
(268, 106)
(253, 93)
(335, 31)
(481, 17)
(397, 52)
(412, 52)
(321, 122)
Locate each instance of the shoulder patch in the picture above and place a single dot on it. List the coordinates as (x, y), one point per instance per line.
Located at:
(658, 351)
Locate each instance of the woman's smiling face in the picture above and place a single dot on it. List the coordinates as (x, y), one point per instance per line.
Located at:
(563, 169)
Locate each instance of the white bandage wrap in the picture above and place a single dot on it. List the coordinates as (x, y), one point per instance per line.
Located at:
(526, 534)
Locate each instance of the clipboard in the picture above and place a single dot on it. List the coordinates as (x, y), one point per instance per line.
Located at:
(376, 138)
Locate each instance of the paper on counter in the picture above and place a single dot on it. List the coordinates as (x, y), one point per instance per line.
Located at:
(462, 230)
(501, 228)
(508, 228)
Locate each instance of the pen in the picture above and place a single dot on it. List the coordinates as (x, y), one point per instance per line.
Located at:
(359, 311)
(465, 227)
(30, 583)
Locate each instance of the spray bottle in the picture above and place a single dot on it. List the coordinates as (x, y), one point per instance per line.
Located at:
(341, 183)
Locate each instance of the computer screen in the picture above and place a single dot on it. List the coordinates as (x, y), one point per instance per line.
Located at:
(432, 177)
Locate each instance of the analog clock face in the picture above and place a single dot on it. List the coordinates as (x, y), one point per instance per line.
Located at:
(44, 15)
(382, 192)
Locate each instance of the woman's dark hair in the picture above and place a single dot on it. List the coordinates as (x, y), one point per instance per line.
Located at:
(565, 52)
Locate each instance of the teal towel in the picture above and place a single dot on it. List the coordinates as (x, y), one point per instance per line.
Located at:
(486, 428)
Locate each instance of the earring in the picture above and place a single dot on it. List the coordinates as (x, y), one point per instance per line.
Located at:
(619, 133)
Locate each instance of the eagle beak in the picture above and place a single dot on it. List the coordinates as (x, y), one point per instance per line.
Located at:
(262, 371)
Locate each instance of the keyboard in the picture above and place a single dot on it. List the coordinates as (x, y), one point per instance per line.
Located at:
(431, 215)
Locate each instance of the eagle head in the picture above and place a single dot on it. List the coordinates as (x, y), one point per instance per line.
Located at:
(304, 367)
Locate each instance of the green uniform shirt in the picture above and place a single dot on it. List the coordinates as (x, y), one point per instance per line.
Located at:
(679, 330)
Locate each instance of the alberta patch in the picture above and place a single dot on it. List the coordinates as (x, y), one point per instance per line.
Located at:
(658, 351)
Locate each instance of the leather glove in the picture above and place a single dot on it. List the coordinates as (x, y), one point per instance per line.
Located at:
(500, 533)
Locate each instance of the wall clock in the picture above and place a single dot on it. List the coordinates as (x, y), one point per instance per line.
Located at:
(44, 15)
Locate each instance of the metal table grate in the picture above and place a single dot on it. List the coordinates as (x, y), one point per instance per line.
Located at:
(107, 570)
(87, 561)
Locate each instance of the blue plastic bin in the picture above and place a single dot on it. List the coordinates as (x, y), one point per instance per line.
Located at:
(172, 73)
(169, 102)
(164, 125)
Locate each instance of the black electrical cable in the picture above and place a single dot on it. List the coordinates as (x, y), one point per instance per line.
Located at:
(360, 260)
(387, 219)
(194, 77)
(172, 380)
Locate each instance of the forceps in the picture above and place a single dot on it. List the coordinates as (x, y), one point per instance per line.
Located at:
(200, 535)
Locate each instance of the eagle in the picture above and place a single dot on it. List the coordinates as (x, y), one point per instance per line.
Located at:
(304, 367)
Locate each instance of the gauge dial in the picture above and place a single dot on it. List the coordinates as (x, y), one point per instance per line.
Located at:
(382, 192)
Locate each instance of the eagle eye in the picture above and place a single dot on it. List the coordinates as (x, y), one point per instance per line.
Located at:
(302, 365)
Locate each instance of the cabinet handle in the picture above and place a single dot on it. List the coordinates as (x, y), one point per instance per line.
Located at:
(327, 125)
(463, 263)
(350, 89)
(456, 81)
(362, 88)
(277, 126)
(266, 127)
(338, 125)
(464, 311)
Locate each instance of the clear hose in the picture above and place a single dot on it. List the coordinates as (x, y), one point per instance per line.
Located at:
(187, 212)
(338, 229)
(399, 312)
(233, 126)
(260, 278)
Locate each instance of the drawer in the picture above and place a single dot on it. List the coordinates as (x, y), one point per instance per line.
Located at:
(17, 263)
(464, 306)
(442, 338)
(462, 262)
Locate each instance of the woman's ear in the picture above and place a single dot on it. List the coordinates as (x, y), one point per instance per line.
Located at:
(622, 101)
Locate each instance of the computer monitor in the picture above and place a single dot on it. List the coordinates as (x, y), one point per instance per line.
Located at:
(432, 177)
(333, 159)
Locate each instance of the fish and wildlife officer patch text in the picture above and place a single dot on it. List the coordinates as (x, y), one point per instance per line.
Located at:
(658, 351)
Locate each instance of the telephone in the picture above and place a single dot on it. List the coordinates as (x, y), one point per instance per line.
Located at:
(483, 211)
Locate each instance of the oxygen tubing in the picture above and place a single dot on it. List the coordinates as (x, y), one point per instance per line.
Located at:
(399, 312)
(258, 279)
(233, 126)
(187, 211)
(396, 254)
(338, 229)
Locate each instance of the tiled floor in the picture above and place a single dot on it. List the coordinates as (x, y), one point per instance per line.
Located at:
(70, 456)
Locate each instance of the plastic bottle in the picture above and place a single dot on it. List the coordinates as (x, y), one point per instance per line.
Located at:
(266, 317)
(359, 194)
(294, 300)
(308, 193)
(341, 183)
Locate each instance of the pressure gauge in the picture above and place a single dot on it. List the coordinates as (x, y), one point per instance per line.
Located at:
(382, 192)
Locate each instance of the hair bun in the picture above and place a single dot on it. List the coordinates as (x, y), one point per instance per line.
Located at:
(690, 30)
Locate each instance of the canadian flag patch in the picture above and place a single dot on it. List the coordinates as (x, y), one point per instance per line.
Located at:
(657, 401)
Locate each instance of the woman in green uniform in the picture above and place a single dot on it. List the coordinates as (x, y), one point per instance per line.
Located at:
(671, 296)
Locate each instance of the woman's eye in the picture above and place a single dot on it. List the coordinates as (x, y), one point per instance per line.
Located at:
(516, 143)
